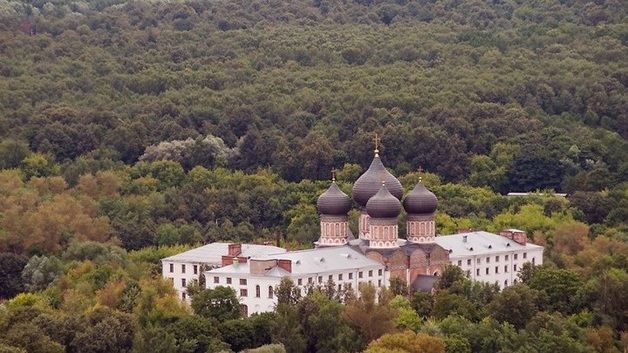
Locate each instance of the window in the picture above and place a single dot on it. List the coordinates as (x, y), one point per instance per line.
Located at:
(506, 283)
(244, 292)
(216, 279)
(270, 292)
(506, 268)
(496, 269)
(339, 287)
(258, 291)
(320, 279)
(309, 280)
(379, 282)
(340, 277)
(182, 268)
(516, 256)
(525, 255)
(479, 260)
(300, 281)
(459, 263)
(487, 271)
(183, 296)
(171, 267)
(534, 261)
(228, 280)
(468, 273)
(243, 281)
(514, 267)
(468, 262)
(171, 280)
(379, 272)
(331, 278)
(351, 275)
(370, 273)
(360, 274)
(506, 257)
(488, 260)
(195, 268)
(477, 272)
(349, 285)
(183, 282)
(497, 258)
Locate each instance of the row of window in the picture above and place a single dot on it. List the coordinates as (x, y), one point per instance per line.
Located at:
(310, 280)
(487, 270)
(194, 268)
(488, 259)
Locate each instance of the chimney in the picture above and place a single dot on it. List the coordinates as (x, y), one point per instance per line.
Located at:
(234, 250)
(226, 260)
(518, 236)
(285, 264)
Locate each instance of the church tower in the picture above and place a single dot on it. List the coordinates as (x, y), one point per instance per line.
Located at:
(333, 206)
(383, 211)
(420, 205)
(369, 184)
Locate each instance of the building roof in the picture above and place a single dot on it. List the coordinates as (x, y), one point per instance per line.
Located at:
(479, 243)
(313, 261)
(213, 253)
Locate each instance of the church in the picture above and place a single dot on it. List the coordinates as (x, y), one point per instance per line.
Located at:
(374, 256)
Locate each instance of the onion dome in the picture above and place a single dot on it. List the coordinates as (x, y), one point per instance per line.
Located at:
(370, 182)
(333, 201)
(420, 200)
(383, 204)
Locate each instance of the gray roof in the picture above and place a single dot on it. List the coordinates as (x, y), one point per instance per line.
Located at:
(313, 261)
(212, 253)
(482, 243)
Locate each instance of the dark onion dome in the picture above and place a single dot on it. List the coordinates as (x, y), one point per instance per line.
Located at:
(420, 200)
(333, 201)
(370, 182)
(383, 204)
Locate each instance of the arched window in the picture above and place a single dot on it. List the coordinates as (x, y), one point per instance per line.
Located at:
(270, 292)
(257, 291)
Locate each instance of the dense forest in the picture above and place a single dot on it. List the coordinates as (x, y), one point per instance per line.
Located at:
(134, 130)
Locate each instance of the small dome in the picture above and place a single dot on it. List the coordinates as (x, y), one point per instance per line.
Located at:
(383, 204)
(370, 182)
(420, 200)
(333, 201)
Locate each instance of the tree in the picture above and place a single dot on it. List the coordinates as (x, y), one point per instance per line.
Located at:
(11, 266)
(515, 304)
(562, 287)
(372, 318)
(40, 271)
(407, 342)
(219, 303)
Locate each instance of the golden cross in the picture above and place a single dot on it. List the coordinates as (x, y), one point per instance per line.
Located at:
(333, 174)
(420, 170)
(376, 139)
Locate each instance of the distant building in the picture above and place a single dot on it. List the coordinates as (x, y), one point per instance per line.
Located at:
(376, 255)
(186, 267)
(489, 257)
(255, 280)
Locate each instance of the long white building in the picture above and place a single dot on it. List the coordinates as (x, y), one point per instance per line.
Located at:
(185, 268)
(489, 257)
(256, 280)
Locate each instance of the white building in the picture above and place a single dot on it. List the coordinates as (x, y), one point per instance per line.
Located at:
(255, 280)
(489, 257)
(186, 267)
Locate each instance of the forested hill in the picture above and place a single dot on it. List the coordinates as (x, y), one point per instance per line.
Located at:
(517, 95)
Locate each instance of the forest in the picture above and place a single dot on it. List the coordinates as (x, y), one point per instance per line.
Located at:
(134, 130)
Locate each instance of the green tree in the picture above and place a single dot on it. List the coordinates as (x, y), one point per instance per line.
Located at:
(516, 304)
(220, 304)
(11, 266)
